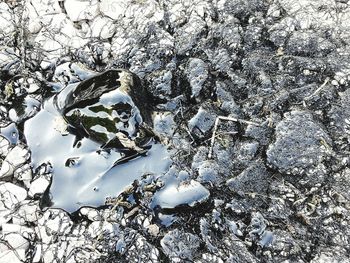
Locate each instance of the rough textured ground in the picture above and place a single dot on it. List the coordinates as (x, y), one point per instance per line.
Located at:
(278, 187)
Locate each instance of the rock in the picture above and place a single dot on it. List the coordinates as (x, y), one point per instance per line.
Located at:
(188, 36)
(184, 194)
(4, 146)
(161, 82)
(202, 122)
(339, 124)
(8, 254)
(53, 223)
(164, 124)
(301, 144)
(254, 179)
(42, 7)
(78, 10)
(91, 213)
(24, 174)
(11, 194)
(207, 258)
(115, 9)
(258, 230)
(67, 36)
(308, 43)
(153, 229)
(28, 212)
(102, 27)
(286, 246)
(9, 60)
(197, 74)
(139, 12)
(104, 228)
(39, 185)
(226, 100)
(208, 171)
(340, 182)
(331, 255)
(7, 19)
(18, 243)
(137, 248)
(180, 246)
(279, 32)
(16, 158)
(244, 153)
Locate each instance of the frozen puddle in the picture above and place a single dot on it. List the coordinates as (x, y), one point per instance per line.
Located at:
(84, 175)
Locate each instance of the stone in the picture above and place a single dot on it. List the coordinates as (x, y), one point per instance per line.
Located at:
(202, 122)
(104, 228)
(164, 124)
(186, 194)
(11, 194)
(7, 19)
(28, 212)
(301, 144)
(17, 157)
(4, 146)
(53, 223)
(39, 185)
(78, 10)
(197, 74)
(179, 245)
(102, 27)
(113, 8)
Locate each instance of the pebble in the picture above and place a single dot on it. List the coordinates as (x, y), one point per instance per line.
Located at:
(173, 195)
(102, 27)
(11, 194)
(113, 8)
(197, 74)
(78, 10)
(17, 157)
(203, 121)
(40, 184)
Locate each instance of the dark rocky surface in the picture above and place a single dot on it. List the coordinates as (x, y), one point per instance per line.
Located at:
(276, 188)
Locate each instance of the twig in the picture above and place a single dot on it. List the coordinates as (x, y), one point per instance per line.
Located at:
(213, 137)
(223, 118)
(316, 91)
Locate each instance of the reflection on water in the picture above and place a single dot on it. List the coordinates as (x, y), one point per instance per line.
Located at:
(85, 174)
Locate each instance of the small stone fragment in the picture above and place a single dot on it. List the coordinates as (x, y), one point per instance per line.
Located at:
(186, 193)
(40, 184)
(81, 10)
(197, 74)
(202, 122)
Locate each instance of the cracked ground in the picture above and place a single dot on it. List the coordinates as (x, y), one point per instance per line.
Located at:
(248, 99)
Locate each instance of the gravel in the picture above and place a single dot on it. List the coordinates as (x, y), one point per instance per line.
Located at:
(269, 187)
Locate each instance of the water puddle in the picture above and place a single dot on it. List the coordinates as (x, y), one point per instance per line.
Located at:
(84, 172)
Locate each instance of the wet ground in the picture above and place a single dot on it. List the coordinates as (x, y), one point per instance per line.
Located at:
(174, 131)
